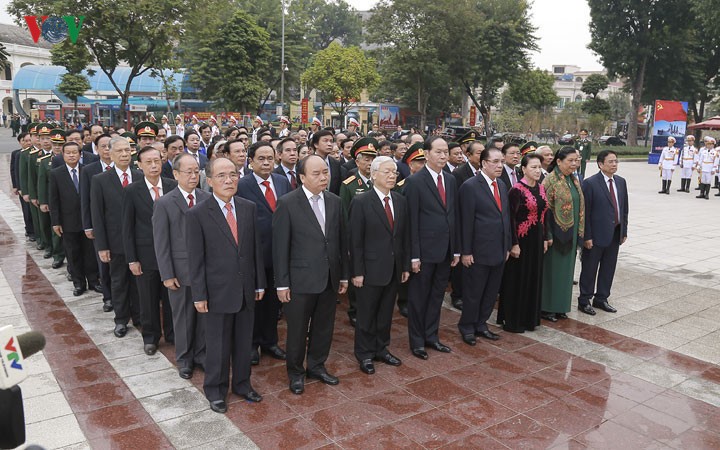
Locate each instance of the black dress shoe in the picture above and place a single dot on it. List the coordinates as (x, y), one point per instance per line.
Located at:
(297, 386)
(68, 277)
(487, 334)
(150, 349)
(605, 306)
(120, 330)
(97, 287)
(587, 309)
(366, 365)
(457, 303)
(353, 320)
(389, 359)
(47, 254)
(324, 377)
(561, 316)
(437, 346)
(252, 396)
(78, 291)
(40, 246)
(57, 264)
(403, 311)
(219, 406)
(551, 317)
(32, 238)
(254, 357)
(185, 373)
(276, 352)
(469, 339)
(420, 353)
(107, 306)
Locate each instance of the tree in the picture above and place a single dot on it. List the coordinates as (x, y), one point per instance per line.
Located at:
(75, 59)
(707, 52)
(637, 39)
(324, 21)
(342, 73)
(237, 85)
(596, 106)
(139, 33)
(619, 107)
(594, 84)
(533, 89)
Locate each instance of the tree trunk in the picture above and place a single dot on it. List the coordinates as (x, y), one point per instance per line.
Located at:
(637, 90)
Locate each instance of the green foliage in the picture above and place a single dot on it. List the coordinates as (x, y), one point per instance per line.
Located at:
(3, 56)
(508, 119)
(75, 58)
(341, 73)
(619, 106)
(596, 106)
(594, 84)
(596, 124)
(533, 89)
(229, 65)
(73, 85)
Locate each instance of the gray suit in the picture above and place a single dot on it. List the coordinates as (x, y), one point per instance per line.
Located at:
(172, 258)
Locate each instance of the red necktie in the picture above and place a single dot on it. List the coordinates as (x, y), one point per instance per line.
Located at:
(231, 221)
(496, 193)
(269, 195)
(125, 179)
(513, 176)
(156, 190)
(293, 180)
(108, 168)
(441, 190)
(614, 201)
(388, 213)
(190, 202)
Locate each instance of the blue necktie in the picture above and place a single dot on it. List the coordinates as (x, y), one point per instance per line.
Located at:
(75, 181)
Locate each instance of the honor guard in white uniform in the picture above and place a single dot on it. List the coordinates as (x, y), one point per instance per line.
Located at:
(707, 166)
(668, 158)
(686, 163)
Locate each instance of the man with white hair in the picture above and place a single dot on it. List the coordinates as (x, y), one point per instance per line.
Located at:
(707, 166)
(547, 156)
(686, 162)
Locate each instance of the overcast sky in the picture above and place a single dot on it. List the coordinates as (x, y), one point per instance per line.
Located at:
(562, 31)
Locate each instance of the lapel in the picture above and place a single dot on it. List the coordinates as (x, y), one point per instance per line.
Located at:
(432, 184)
(257, 192)
(378, 206)
(219, 218)
(145, 194)
(180, 200)
(606, 189)
(484, 186)
(305, 206)
(65, 178)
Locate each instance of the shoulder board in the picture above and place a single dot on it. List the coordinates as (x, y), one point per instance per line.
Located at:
(349, 179)
(42, 158)
(133, 153)
(401, 182)
(33, 152)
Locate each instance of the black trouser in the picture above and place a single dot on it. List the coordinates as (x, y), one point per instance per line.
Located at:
(482, 284)
(124, 291)
(456, 281)
(167, 320)
(27, 217)
(81, 259)
(598, 264)
(189, 328)
(374, 319)
(35, 216)
(230, 337)
(148, 286)
(318, 312)
(425, 297)
(352, 300)
(104, 271)
(266, 315)
(45, 230)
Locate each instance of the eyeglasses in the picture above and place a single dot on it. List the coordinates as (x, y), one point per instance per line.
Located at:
(189, 172)
(224, 176)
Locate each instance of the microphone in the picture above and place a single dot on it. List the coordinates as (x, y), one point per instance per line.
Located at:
(13, 351)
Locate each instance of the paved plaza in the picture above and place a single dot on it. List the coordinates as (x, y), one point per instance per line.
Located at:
(645, 377)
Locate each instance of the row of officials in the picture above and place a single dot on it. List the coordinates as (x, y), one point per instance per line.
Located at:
(209, 269)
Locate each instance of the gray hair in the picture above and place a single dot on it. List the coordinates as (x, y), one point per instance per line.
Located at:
(539, 150)
(377, 162)
(117, 139)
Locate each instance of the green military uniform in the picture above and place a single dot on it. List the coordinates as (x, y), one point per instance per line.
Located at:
(57, 136)
(23, 162)
(584, 146)
(132, 140)
(351, 186)
(32, 181)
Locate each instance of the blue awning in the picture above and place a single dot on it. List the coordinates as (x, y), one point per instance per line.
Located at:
(47, 78)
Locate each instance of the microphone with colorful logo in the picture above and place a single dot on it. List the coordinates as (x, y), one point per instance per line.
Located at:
(14, 349)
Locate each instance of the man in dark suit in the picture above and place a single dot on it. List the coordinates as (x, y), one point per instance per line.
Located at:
(485, 241)
(170, 243)
(380, 261)
(287, 152)
(95, 132)
(432, 197)
(510, 175)
(174, 145)
(66, 220)
(264, 188)
(349, 165)
(102, 144)
(192, 140)
(235, 151)
(106, 193)
(606, 220)
(310, 264)
(322, 142)
(228, 277)
(86, 157)
(138, 203)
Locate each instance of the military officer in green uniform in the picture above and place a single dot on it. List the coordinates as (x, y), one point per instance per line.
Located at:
(146, 133)
(583, 145)
(364, 151)
(23, 175)
(57, 139)
(43, 229)
(132, 140)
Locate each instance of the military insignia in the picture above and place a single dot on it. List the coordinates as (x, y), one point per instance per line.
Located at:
(359, 182)
(148, 130)
(371, 147)
(349, 179)
(472, 135)
(401, 182)
(421, 152)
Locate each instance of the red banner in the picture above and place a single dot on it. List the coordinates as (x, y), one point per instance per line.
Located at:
(670, 111)
(304, 110)
(473, 116)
